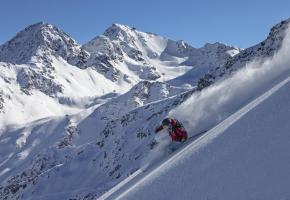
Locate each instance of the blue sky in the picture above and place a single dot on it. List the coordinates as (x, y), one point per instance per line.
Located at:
(236, 22)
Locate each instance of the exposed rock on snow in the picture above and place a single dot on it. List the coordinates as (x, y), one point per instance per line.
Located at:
(39, 41)
(121, 44)
(36, 46)
(146, 55)
(265, 49)
(82, 118)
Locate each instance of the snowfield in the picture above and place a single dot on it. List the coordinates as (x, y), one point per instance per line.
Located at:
(244, 157)
(77, 122)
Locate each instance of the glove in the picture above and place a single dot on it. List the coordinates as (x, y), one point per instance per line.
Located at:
(158, 129)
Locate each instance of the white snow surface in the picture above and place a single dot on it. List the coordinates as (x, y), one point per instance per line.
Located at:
(77, 122)
(43, 67)
(244, 156)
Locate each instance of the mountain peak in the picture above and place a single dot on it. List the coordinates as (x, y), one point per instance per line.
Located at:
(118, 30)
(38, 25)
(121, 26)
(40, 29)
(37, 40)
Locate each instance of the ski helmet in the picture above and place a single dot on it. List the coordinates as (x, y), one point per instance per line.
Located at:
(166, 122)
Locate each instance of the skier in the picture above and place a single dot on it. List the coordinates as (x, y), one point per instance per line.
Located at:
(174, 128)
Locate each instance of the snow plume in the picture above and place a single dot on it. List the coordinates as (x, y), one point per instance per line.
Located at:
(213, 104)
(158, 152)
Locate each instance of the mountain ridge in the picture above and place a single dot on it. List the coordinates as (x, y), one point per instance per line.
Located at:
(38, 39)
(97, 127)
(266, 48)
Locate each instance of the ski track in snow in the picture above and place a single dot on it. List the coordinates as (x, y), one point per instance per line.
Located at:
(120, 185)
(136, 179)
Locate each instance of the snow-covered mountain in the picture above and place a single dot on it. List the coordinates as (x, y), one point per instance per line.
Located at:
(123, 52)
(39, 41)
(244, 155)
(37, 46)
(258, 52)
(44, 64)
(204, 59)
(110, 149)
(123, 46)
(78, 122)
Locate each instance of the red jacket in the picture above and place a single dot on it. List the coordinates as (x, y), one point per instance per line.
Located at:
(176, 130)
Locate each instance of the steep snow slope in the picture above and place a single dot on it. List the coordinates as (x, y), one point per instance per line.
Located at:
(244, 157)
(145, 92)
(44, 75)
(244, 138)
(84, 154)
(25, 99)
(80, 156)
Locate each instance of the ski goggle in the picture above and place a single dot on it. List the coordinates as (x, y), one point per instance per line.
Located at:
(165, 126)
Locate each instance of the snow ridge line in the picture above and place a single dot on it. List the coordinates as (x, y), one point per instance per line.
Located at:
(195, 145)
